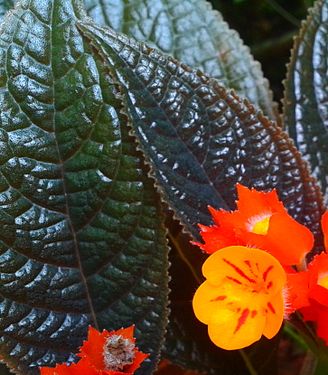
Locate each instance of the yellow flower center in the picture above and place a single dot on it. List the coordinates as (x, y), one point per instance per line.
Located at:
(323, 280)
(260, 225)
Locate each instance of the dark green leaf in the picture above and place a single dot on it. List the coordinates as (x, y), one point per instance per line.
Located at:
(82, 239)
(305, 103)
(5, 5)
(192, 32)
(200, 139)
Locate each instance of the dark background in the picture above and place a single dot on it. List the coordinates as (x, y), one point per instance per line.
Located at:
(267, 27)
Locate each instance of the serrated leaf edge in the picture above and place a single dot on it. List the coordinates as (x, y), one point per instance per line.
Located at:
(273, 128)
(254, 63)
(297, 39)
(119, 95)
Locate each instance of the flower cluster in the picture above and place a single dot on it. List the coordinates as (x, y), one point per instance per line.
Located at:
(252, 282)
(104, 353)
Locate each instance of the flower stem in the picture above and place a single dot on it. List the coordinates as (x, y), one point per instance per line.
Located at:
(284, 13)
(310, 364)
(248, 363)
(290, 331)
(183, 257)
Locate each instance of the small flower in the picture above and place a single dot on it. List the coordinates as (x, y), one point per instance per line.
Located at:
(242, 297)
(104, 353)
(308, 293)
(308, 290)
(261, 221)
(118, 351)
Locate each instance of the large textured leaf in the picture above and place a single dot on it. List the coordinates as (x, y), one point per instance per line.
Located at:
(200, 139)
(5, 5)
(82, 240)
(305, 103)
(192, 32)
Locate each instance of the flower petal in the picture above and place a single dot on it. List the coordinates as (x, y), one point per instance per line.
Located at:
(209, 299)
(138, 359)
(231, 330)
(260, 221)
(242, 296)
(322, 325)
(92, 349)
(229, 222)
(242, 265)
(215, 238)
(298, 290)
(274, 316)
(318, 314)
(319, 294)
(324, 225)
(286, 239)
(252, 202)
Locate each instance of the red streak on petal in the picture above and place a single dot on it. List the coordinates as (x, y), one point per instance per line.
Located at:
(242, 319)
(219, 298)
(269, 285)
(249, 265)
(271, 308)
(239, 271)
(234, 280)
(254, 313)
(266, 272)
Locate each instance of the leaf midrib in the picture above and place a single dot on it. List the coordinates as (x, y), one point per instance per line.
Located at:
(103, 55)
(62, 172)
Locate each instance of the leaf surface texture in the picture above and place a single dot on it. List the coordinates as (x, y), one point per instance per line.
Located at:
(200, 138)
(82, 239)
(194, 33)
(305, 103)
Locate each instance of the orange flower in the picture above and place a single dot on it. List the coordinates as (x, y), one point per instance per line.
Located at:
(260, 221)
(308, 290)
(298, 290)
(324, 225)
(104, 353)
(242, 297)
(119, 353)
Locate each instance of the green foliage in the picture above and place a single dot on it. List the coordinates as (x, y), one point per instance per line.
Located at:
(82, 238)
(196, 165)
(87, 114)
(305, 104)
(193, 33)
(5, 5)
